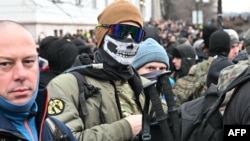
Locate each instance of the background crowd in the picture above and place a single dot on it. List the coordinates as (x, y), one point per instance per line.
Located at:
(105, 102)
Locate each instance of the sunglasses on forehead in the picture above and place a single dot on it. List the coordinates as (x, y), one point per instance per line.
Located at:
(122, 31)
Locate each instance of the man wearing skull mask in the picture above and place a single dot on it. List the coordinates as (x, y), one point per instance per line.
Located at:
(115, 105)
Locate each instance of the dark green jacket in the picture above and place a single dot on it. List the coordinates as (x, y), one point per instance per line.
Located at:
(64, 89)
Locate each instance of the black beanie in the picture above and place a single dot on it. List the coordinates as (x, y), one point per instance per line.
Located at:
(206, 33)
(219, 43)
(45, 44)
(61, 54)
(184, 51)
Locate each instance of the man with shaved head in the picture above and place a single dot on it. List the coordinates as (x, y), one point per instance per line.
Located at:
(23, 108)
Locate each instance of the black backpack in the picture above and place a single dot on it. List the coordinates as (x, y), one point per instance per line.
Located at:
(156, 124)
(196, 120)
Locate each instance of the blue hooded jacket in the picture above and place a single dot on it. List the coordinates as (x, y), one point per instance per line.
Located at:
(9, 132)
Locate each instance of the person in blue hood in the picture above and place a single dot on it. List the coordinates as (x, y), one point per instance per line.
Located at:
(23, 108)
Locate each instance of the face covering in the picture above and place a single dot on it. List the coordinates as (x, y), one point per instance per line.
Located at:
(121, 50)
(152, 75)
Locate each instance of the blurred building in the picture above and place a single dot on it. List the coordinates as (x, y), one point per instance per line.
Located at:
(59, 17)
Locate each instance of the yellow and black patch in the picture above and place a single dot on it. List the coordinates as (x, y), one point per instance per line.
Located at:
(56, 106)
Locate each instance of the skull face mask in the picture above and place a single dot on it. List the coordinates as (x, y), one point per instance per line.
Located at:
(123, 51)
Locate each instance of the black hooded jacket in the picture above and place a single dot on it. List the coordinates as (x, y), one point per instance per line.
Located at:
(187, 55)
(60, 54)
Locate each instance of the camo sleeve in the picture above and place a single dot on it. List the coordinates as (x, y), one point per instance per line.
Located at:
(188, 88)
(227, 75)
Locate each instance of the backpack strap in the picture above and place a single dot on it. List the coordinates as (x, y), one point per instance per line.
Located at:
(145, 132)
(83, 111)
(85, 91)
(152, 93)
(163, 85)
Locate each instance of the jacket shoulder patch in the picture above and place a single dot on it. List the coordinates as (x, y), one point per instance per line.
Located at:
(56, 106)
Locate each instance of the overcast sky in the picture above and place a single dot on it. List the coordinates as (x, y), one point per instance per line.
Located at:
(236, 6)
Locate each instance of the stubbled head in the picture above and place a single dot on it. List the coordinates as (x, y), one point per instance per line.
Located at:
(19, 71)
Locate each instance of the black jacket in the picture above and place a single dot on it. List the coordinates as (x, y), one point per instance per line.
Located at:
(238, 110)
(216, 66)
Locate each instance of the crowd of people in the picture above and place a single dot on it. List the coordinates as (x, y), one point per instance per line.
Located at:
(37, 90)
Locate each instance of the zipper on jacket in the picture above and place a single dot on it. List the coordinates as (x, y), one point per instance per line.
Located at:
(43, 116)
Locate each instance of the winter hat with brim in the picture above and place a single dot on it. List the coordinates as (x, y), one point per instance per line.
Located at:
(150, 51)
(115, 13)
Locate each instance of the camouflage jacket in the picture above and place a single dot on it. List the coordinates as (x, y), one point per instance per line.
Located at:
(227, 75)
(192, 85)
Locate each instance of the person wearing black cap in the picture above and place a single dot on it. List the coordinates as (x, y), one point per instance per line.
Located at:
(193, 85)
(183, 60)
(219, 45)
(235, 107)
(60, 54)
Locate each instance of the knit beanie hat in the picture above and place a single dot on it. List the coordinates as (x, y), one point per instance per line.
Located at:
(60, 53)
(184, 51)
(44, 45)
(219, 43)
(150, 51)
(117, 12)
(234, 37)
